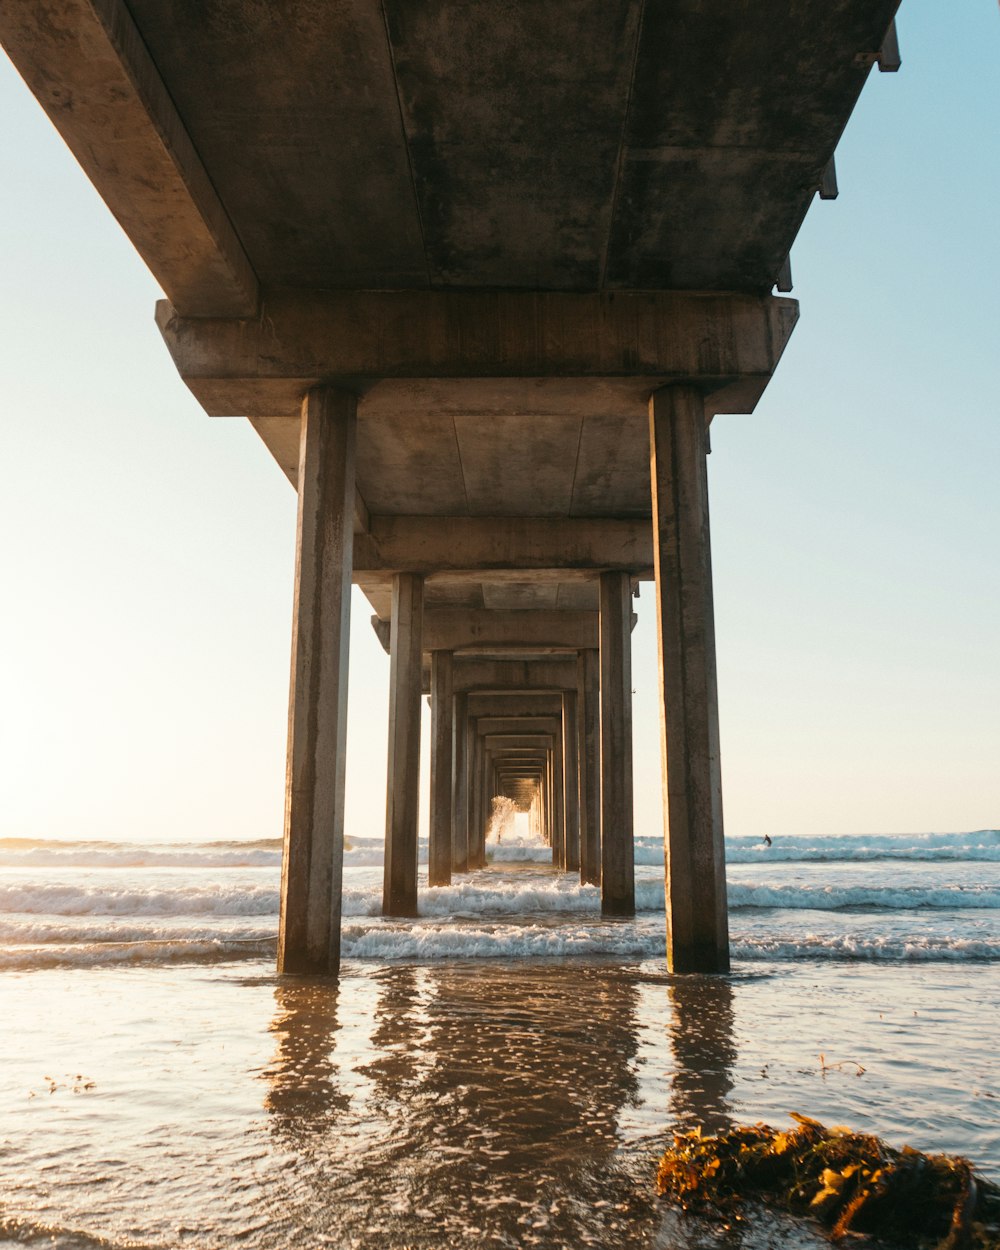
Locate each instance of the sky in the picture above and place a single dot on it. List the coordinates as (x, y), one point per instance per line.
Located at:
(146, 551)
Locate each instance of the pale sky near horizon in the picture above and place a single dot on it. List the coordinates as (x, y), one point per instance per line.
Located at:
(147, 551)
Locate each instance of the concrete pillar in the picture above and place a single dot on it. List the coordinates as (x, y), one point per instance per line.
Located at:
(460, 808)
(442, 768)
(399, 890)
(477, 841)
(571, 780)
(313, 860)
(697, 921)
(617, 868)
(589, 708)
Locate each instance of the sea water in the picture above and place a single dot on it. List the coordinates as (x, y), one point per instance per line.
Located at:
(502, 1071)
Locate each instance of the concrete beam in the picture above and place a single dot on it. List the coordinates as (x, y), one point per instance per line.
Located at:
(517, 724)
(88, 67)
(474, 630)
(429, 545)
(509, 676)
(726, 344)
(469, 629)
(529, 703)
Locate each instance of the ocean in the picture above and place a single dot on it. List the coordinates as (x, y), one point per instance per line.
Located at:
(502, 1071)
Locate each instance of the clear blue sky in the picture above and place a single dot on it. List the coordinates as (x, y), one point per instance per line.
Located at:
(147, 550)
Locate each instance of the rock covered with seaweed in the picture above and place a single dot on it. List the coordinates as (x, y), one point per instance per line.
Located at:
(851, 1182)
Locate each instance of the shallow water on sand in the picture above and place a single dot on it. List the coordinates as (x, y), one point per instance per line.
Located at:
(496, 1103)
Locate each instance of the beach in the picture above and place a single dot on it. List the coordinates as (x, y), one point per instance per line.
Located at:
(503, 1071)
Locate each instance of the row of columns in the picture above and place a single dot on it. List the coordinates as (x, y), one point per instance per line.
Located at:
(584, 782)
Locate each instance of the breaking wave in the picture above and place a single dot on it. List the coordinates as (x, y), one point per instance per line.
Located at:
(469, 897)
(423, 941)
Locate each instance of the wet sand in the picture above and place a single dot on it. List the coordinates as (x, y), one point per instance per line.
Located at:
(499, 1103)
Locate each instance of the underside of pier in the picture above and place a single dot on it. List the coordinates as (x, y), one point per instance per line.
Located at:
(480, 276)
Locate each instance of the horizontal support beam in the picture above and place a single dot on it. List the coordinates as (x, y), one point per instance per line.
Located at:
(263, 366)
(539, 703)
(437, 544)
(517, 742)
(89, 69)
(517, 724)
(506, 676)
(475, 630)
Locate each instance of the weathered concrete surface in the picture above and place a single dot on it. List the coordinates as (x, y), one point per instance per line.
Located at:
(382, 340)
(504, 676)
(472, 630)
(312, 863)
(697, 920)
(399, 890)
(529, 703)
(432, 545)
(588, 144)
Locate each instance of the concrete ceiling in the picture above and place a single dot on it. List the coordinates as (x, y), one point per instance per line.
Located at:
(294, 173)
(569, 146)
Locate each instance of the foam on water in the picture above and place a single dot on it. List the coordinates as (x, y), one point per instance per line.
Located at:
(467, 896)
(983, 846)
(935, 898)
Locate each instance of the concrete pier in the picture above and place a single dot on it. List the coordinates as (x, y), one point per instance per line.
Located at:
(442, 769)
(463, 404)
(399, 890)
(571, 780)
(617, 868)
(460, 803)
(589, 706)
(697, 918)
(312, 864)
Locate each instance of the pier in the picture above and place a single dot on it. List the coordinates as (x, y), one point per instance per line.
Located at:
(480, 279)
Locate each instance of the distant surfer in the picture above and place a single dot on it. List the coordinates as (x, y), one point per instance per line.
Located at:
(767, 840)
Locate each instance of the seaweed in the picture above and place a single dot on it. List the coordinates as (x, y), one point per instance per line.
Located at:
(850, 1182)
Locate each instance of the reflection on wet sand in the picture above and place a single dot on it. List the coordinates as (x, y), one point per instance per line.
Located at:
(701, 1038)
(485, 1104)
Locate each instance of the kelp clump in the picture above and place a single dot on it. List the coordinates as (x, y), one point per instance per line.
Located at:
(851, 1182)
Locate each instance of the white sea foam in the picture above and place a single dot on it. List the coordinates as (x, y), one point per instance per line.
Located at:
(481, 939)
(983, 846)
(473, 895)
(500, 941)
(74, 899)
(101, 954)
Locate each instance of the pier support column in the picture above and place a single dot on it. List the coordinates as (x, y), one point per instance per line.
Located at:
(559, 791)
(617, 868)
(399, 890)
(694, 849)
(571, 780)
(442, 768)
(460, 806)
(589, 707)
(313, 860)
